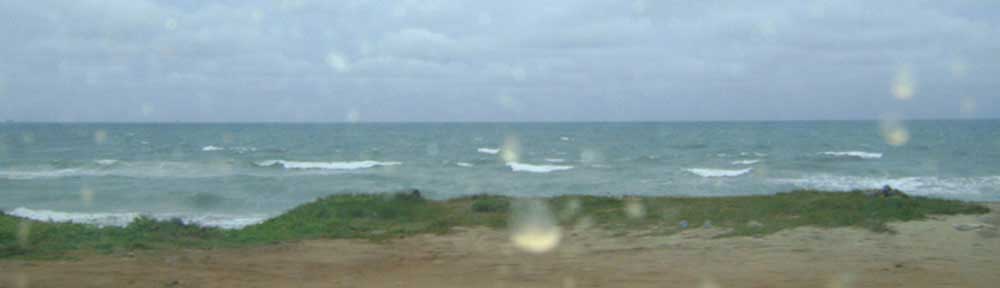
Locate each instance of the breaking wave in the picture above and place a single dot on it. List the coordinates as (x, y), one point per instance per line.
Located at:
(123, 219)
(854, 154)
(522, 167)
(707, 173)
(350, 165)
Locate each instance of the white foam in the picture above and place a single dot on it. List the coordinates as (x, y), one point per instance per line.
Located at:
(705, 172)
(241, 149)
(855, 154)
(351, 165)
(123, 219)
(159, 169)
(555, 160)
(488, 150)
(100, 219)
(564, 138)
(464, 164)
(912, 185)
(41, 174)
(210, 148)
(523, 167)
(745, 162)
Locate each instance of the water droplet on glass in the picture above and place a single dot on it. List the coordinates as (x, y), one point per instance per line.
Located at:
(146, 109)
(893, 131)
(967, 106)
(708, 283)
(843, 280)
(100, 137)
(568, 282)
(24, 234)
(170, 24)
(958, 69)
(634, 208)
(87, 196)
(532, 227)
(353, 115)
(511, 150)
(337, 61)
(903, 84)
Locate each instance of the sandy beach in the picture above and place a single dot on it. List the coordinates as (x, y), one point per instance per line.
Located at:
(932, 253)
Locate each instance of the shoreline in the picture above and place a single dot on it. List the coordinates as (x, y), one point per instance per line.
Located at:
(924, 253)
(382, 217)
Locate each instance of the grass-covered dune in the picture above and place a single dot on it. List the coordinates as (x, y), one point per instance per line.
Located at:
(387, 216)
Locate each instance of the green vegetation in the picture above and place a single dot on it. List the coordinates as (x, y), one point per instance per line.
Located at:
(382, 217)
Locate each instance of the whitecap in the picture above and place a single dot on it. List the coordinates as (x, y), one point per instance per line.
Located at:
(745, 162)
(464, 164)
(523, 167)
(855, 154)
(488, 150)
(555, 160)
(705, 172)
(922, 185)
(106, 162)
(210, 148)
(123, 219)
(350, 165)
(564, 138)
(41, 174)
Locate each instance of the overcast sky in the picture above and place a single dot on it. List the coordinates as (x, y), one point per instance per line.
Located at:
(609, 60)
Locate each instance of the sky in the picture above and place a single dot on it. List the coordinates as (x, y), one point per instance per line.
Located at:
(442, 60)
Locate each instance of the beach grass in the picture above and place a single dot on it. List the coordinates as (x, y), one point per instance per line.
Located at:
(382, 217)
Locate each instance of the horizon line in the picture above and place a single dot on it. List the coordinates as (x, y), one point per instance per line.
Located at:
(487, 122)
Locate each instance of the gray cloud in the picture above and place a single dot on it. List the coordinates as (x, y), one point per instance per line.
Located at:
(416, 60)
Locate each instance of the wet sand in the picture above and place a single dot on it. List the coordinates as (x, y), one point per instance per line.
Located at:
(930, 253)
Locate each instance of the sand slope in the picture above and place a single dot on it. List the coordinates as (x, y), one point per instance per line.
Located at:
(923, 254)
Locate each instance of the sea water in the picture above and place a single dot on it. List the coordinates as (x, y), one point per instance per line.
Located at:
(232, 175)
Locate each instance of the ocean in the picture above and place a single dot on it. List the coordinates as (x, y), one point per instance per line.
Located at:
(232, 175)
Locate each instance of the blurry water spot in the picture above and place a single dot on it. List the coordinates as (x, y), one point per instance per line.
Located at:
(227, 138)
(967, 106)
(353, 115)
(337, 61)
(767, 28)
(485, 19)
(518, 73)
(23, 233)
(27, 138)
(583, 224)
(893, 131)
(570, 209)
(639, 6)
(20, 280)
(256, 16)
(532, 228)
(843, 280)
(146, 109)
(3, 87)
(433, 149)
(708, 283)
(588, 155)
(634, 208)
(958, 69)
(568, 282)
(100, 137)
(511, 150)
(903, 84)
(507, 102)
(170, 24)
(87, 196)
